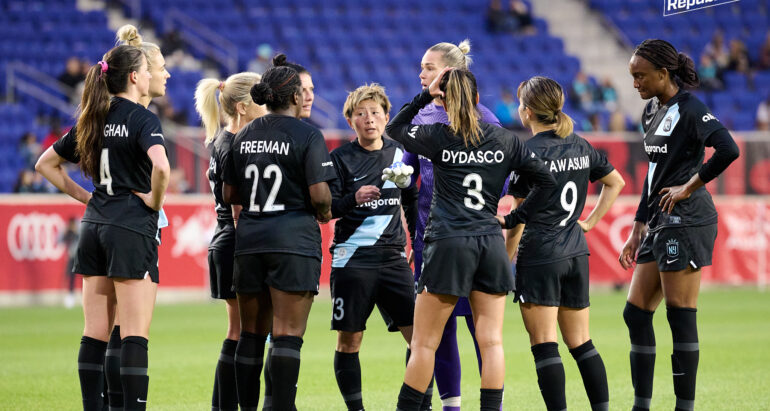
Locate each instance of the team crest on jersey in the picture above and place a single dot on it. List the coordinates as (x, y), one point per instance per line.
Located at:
(340, 252)
(667, 124)
(672, 248)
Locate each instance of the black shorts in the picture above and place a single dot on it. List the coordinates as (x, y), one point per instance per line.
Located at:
(253, 273)
(221, 273)
(676, 248)
(116, 252)
(457, 265)
(355, 291)
(562, 283)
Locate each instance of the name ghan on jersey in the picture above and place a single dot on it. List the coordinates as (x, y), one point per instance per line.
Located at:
(265, 146)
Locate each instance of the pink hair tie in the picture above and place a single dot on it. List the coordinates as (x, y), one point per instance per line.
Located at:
(221, 86)
(104, 66)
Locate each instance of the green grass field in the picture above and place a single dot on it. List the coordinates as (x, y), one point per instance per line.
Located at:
(38, 353)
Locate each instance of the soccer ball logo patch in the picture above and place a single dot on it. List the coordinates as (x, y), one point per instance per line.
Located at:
(667, 124)
(672, 248)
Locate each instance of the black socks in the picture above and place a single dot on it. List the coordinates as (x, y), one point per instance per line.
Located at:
(247, 367)
(91, 372)
(133, 372)
(284, 371)
(409, 399)
(491, 399)
(550, 375)
(112, 371)
(347, 370)
(594, 375)
(642, 354)
(225, 397)
(684, 360)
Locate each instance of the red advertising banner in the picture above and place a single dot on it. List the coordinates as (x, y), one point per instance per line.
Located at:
(34, 257)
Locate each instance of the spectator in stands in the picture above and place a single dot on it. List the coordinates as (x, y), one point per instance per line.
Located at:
(738, 59)
(618, 122)
(25, 182)
(171, 42)
(506, 110)
(596, 122)
(763, 62)
(72, 74)
(177, 183)
(763, 114)
(608, 94)
(717, 50)
(29, 150)
(708, 73)
(263, 61)
(583, 93)
(523, 17)
(496, 18)
(70, 239)
(52, 135)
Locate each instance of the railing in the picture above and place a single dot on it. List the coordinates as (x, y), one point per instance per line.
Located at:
(28, 80)
(205, 40)
(134, 7)
(324, 113)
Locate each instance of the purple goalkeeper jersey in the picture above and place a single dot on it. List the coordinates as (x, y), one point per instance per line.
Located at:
(432, 114)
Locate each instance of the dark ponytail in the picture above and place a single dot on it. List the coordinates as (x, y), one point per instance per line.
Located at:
(111, 77)
(280, 60)
(662, 54)
(277, 87)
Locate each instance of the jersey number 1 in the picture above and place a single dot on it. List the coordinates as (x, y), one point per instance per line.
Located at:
(252, 171)
(104, 170)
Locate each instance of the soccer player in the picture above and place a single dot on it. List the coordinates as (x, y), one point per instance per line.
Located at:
(676, 223)
(239, 109)
(119, 144)
(369, 263)
(156, 65)
(552, 264)
(448, 369)
(277, 169)
(464, 248)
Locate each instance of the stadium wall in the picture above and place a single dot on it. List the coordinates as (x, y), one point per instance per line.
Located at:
(33, 260)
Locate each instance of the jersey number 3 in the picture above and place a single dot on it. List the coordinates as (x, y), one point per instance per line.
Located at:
(473, 182)
(272, 170)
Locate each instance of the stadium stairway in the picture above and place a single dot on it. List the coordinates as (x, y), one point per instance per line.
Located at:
(600, 52)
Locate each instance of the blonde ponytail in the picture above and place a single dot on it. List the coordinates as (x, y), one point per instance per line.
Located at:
(207, 107)
(545, 98)
(236, 89)
(460, 102)
(564, 124)
(455, 56)
(128, 35)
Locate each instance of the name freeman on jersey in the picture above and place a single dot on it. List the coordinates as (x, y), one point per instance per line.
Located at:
(656, 149)
(374, 204)
(568, 164)
(261, 146)
(462, 157)
(115, 130)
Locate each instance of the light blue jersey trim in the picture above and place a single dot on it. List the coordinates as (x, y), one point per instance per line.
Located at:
(669, 122)
(162, 223)
(366, 234)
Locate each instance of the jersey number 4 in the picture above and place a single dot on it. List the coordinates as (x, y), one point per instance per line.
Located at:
(104, 171)
(252, 171)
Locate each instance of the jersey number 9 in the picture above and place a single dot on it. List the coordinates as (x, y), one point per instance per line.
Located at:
(252, 171)
(570, 186)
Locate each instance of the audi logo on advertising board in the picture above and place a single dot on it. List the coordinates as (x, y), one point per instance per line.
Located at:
(35, 236)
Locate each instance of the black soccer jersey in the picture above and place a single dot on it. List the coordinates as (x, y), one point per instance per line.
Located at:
(468, 180)
(675, 136)
(129, 131)
(369, 234)
(272, 161)
(224, 235)
(552, 233)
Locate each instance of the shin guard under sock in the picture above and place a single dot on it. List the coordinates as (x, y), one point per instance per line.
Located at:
(133, 372)
(225, 397)
(642, 354)
(347, 370)
(284, 371)
(684, 360)
(550, 375)
(594, 375)
(91, 372)
(247, 366)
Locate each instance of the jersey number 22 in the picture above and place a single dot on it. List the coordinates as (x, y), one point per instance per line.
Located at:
(252, 171)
